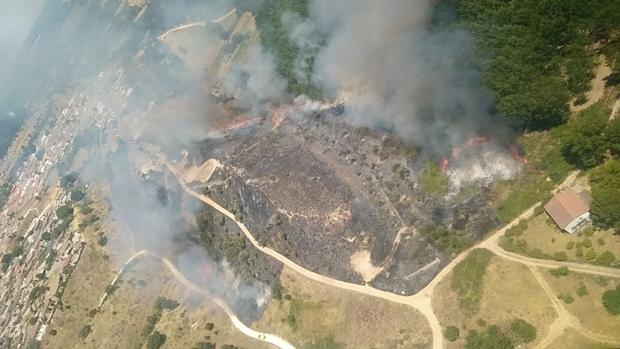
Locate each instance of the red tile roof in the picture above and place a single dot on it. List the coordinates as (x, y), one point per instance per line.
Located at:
(565, 206)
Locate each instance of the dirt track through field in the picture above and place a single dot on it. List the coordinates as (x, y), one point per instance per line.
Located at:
(421, 301)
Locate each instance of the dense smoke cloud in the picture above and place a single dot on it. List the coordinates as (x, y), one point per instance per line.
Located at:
(396, 72)
(16, 20)
(255, 84)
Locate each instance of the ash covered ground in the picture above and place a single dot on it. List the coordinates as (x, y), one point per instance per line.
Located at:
(339, 200)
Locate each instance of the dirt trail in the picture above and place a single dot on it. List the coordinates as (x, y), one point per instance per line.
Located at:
(421, 301)
(597, 86)
(566, 319)
(264, 337)
(615, 110)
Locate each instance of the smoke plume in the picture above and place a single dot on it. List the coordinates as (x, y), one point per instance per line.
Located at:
(396, 69)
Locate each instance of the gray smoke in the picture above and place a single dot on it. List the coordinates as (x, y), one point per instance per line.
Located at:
(16, 20)
(140, 100)
(255, 84)
(395, 71)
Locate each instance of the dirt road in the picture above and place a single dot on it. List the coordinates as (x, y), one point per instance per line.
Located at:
(421, 301)
(264, 337)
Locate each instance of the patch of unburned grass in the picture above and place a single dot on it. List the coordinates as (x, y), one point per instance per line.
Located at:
(468, 280)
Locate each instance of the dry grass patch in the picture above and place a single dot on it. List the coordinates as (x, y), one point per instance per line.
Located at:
(588, 305)
(587, 246)
(316, 312)
(571, 339)
(198, 320)
(509, 291)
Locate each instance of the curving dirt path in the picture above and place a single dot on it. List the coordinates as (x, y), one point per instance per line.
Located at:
(421, 301)
(566, 319)
(264, 337)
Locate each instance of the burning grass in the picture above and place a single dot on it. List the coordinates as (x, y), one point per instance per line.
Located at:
(546, 167)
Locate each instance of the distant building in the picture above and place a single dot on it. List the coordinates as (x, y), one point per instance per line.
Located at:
(570, 210)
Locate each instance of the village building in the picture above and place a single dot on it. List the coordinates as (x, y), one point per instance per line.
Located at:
(570, 210)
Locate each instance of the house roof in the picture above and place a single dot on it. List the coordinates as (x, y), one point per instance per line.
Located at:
(567, 205)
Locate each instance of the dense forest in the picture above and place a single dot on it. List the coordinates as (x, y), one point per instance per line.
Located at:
(537, 57)
(539, 54)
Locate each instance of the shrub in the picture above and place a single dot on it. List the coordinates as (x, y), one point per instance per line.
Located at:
(102, 241)
(566, 298)
(570, 245)
(85, 331)
(601, 241)
(451, 333)
(560, 256)
(163, 303)
(491, 338)
(77, 195)
(582, 290)
(155, 340)
(579, 252)
(67, 180)
(64, 212)
(525, 331)
(605, 258)
(451, 241)
(277, 290)
(204, 345)
(611, 301)
(587, 243)
(560, 271)
(590, 255)
(605, 209)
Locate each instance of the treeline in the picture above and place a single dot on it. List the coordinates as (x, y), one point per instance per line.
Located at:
(275, 38)
(539, 54)
(9, 126)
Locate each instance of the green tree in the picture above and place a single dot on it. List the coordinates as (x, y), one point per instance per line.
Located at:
(524, 330)
(77, 195)
(605, 258)
(583, 140)
(85, 331)
(582, 290)
(605, 207)
(277, 290)
(559, 271)
(537, 53)
(491, 338)
(155, 340)
(612, 134)
(67, 180)
(451, 333)
(611, 301)
(204, 345)
(64, 212)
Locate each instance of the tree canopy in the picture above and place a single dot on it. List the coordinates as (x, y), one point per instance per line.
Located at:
(611, 301)
(537, 53)
(584, 140)
(605, 183)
